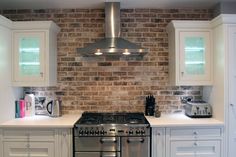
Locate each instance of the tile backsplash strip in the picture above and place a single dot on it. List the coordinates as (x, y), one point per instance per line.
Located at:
(111, 84)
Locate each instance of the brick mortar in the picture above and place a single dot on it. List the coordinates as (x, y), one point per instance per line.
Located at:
(109, 84)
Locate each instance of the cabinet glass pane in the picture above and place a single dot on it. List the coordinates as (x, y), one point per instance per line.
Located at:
(194, 55)
(29, 56)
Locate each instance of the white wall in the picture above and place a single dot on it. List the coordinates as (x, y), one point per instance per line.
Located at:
(8, 94)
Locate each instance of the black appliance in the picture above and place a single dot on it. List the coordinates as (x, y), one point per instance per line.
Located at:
(112, 135)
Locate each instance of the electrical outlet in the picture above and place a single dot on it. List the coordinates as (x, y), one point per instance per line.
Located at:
(185, 99)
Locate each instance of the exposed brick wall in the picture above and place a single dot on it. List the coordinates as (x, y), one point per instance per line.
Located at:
(109, 84)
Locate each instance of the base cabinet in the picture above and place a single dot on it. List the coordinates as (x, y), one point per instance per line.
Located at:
(187, 142)
(36, 142)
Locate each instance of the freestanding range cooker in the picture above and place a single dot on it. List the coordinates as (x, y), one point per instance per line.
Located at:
(112, 135)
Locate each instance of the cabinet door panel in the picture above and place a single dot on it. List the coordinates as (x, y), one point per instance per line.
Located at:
(232, 89)
(26, 149)
(195, 149)
(15, 149)
(41, 149)
(29, 49)
(194, 56)
(158, 142)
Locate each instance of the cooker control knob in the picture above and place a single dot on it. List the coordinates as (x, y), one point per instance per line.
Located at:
(131, 132)
(142, 132)
(102, 132)
(137, 131)
(81, 132)
(96, 132)
(86, 132)
(91, 132)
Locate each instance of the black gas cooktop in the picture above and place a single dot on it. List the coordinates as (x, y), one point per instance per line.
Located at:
(112, 118)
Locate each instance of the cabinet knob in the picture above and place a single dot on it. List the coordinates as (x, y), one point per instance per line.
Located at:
(195, 143)
(159, 134)
(232, 105)
(194, 133)
(41, 74)
(64, 134)
(182, 73)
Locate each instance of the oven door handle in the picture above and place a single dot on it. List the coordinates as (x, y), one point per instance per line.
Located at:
(129, 140)
(108, 155)
(108, 140)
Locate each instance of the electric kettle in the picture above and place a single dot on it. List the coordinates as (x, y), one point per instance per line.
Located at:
(54, 108)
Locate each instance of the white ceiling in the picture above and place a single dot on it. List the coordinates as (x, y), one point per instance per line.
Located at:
(41, 4)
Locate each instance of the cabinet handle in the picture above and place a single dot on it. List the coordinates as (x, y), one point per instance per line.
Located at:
(232, 105)
(159, 134)
(41, 74)
(195, 143)
(64, 134)
(182, 73)
(195, 133)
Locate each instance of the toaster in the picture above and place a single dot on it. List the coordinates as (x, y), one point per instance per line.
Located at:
(198, 109)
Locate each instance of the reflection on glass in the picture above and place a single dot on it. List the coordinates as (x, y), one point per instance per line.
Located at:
(194, 55)
(29, 59)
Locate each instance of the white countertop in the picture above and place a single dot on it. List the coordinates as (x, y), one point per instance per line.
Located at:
(179, 119)
(65, 121)
(68, 121)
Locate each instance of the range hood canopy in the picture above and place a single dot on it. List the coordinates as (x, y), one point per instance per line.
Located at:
(112, 44)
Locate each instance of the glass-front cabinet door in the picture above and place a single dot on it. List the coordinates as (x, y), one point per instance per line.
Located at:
(29, 56)
(195, 52)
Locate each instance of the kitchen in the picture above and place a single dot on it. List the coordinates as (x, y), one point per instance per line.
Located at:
(112, 84)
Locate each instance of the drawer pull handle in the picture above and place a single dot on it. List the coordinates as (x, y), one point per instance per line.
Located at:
(195, 133)
(195, 144)
(159, 134)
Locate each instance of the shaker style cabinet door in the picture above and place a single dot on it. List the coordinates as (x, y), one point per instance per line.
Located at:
(190, 53)
(232, 90)
(195, 149)
(194, 56)
(29, 56)
(158, 142)
(15, 149)
(28, 149)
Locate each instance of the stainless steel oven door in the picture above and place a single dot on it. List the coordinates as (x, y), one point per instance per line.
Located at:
(97, 154)
(87, 144)
(135, 147)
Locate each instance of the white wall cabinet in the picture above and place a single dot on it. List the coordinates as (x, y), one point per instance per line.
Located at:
(187, 142)
(35, 53)
(36, 142)
(190, 53)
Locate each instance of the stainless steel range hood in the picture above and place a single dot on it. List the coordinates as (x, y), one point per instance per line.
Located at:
(112, 44)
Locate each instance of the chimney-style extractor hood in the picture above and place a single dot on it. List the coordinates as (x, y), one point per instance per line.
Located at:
(112, 44)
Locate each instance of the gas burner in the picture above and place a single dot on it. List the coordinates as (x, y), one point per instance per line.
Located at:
(133, 121)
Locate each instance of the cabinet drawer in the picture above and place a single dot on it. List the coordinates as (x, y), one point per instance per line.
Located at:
(209, 148)
(25, 149)
(195, 133)
(39, 135)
